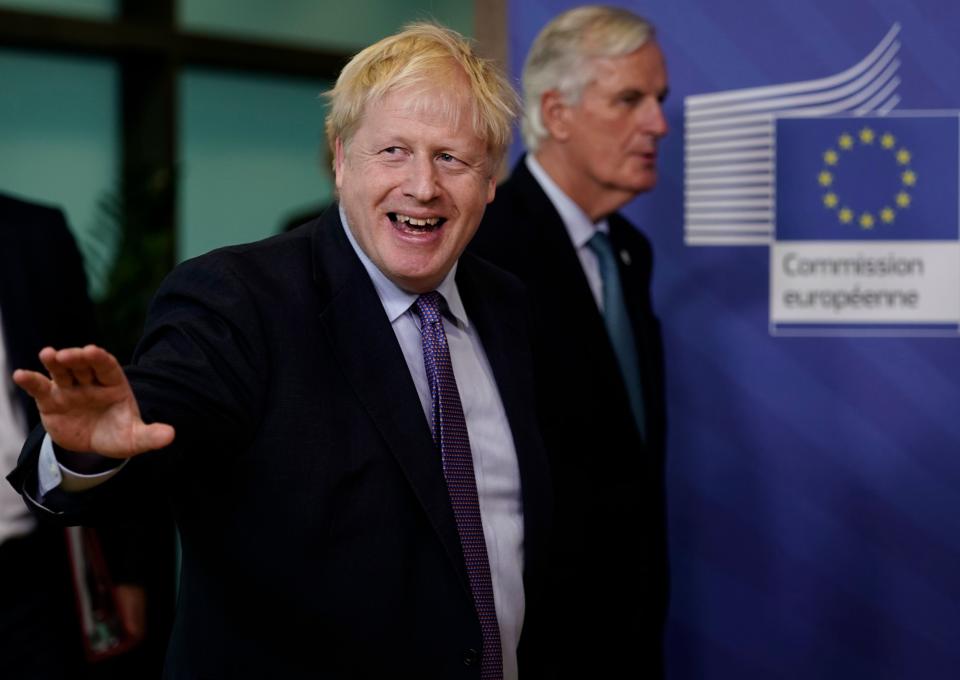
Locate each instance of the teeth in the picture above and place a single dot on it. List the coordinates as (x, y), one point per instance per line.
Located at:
(429, 221)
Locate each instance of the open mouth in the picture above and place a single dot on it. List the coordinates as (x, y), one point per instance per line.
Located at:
(415, 224)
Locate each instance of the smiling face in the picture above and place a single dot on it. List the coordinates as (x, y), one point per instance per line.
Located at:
(605, 145)
(414, 180)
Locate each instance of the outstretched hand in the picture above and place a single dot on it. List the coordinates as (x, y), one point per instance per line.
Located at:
(87, 405)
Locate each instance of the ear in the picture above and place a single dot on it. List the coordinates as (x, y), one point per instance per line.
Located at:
(554, 111)
(338, 161)
(491, 188)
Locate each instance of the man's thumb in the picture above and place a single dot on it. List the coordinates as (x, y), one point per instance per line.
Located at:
(154, 436)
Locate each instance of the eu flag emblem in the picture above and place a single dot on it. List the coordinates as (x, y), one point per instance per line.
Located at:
(877, 178)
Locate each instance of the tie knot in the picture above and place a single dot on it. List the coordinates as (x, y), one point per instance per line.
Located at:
(600, 244)
(428, 307)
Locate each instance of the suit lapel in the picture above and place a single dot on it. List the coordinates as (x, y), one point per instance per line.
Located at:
(561, 270)
(565, 288)
(367, 351)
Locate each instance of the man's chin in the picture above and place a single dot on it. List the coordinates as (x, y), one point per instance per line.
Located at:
(416, 280)
(642, 182)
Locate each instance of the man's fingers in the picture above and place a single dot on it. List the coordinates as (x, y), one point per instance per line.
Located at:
(60, 374)
(81, 366)
(35, 384)
(153, 436)
(83, 375)
(106, 368)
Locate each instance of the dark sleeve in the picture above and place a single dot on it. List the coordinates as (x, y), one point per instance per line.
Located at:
(201, 364)
(198, 367)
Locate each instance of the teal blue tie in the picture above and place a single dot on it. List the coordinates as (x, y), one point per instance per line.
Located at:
(618, 325)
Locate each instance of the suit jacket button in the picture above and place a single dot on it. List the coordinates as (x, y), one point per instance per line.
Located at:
(470, 657)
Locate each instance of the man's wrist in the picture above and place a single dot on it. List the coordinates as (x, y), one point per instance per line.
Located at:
(84, 463)
(71, 471)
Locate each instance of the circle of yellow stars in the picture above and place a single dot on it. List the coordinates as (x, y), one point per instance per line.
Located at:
(887, 213)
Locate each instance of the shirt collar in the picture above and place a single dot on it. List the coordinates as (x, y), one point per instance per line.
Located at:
(579, 226)
(397, 301)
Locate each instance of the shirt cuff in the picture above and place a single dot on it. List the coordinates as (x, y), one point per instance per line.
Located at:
(52, 473)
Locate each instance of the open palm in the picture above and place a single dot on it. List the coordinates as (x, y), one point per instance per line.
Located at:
(86, 404)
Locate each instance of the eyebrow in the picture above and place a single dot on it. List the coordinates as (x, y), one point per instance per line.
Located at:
(633, 91)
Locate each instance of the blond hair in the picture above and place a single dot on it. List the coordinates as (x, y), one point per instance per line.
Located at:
(562, 54)
(422, 55)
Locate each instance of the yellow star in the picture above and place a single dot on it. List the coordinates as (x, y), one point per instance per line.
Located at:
(887, 141)
(845, 215)
(830, 157)
(845, 142)
(830, 200)
(909, 178)
(887, 215)
(867, 135)
(825, 178)
(866, 220)
(903, 200)
(903, 157)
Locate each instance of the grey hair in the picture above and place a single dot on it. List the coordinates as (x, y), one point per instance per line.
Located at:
(562, 54)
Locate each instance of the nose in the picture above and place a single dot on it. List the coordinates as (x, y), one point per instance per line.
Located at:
(421, 183)
(654, 121)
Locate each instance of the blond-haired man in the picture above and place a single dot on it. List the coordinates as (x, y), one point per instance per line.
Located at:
(593, 82)
(341, 414)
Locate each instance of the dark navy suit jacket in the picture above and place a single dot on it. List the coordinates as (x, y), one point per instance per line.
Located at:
(43, 290)
(318, 537)
(43, 300)
(609, 565)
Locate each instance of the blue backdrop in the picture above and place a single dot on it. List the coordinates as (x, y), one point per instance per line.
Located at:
(814, 482)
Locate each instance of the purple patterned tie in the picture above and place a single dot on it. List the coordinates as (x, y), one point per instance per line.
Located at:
(450, 434)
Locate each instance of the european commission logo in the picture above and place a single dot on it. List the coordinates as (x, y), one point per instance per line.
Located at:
(857, 201)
